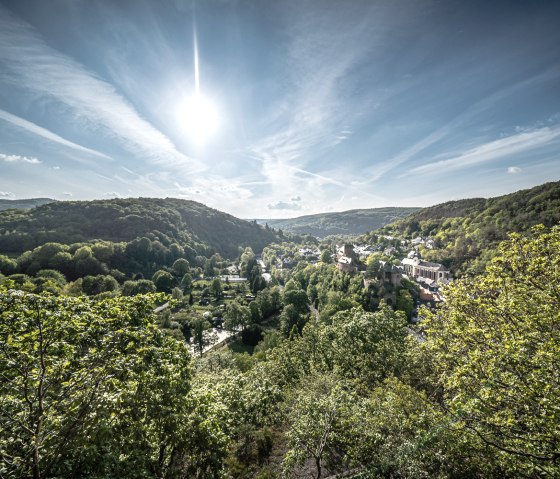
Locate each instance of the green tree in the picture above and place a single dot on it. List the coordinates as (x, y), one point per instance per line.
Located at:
(290, 318)
(180, 267)
(142, 286)
(321, 419)
(237, 316)
(202, 334)
(405, 303)
(163, 281)
(496, 343)
(209, 270)
(401, 433)
(7, 266)
(298, 299)
(62, 262)
(103, 251)
(92, 285)
(177, 294)
(140, 249)
(216, 288)
(186, 282)
(89, 388)
(256, 314)
(326, 256)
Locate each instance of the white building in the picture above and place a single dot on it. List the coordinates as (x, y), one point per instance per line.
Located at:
(415, 268)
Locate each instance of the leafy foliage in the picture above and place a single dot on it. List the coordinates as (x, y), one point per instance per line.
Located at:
(496, 343)
(92, 389)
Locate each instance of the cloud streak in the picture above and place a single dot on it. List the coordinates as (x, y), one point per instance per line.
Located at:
(48, 135)
(41, 69)
(311, 117)
(511, 145)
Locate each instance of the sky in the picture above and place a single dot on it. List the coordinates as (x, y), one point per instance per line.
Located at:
(275, 109)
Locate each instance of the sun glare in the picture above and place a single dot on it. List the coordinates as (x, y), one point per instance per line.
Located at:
(199, 118)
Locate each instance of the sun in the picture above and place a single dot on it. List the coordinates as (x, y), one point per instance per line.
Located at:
(198, 118)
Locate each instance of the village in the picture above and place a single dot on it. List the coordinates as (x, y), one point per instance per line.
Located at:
(429, 276)
(378, 265)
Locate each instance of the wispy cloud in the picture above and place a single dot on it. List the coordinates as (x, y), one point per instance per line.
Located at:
(380, 170)
(48, 135)
(19, 159)
(510, 145)
(312, 115)
(214, 189)
(39, 68)
(454, 125)
(7, 194)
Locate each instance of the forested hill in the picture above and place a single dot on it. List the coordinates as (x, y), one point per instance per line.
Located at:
(23, 204)
(170, 220)
(352, 222)
(467, 232)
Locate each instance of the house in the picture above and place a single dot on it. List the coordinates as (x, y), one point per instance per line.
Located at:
(309, 253)
(390, 250)
(232, 270)
(363, 251)
(232, 278)
(287, 263)
(429, 296)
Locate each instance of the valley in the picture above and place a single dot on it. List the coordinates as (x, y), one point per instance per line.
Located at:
(344, 334)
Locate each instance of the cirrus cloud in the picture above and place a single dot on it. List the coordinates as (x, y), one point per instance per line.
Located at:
(53, 75)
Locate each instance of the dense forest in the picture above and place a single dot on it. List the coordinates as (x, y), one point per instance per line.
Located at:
(123, 220)
(131, 246)
(466, 232)
(351, 222)
(95, 388)
(146, 353)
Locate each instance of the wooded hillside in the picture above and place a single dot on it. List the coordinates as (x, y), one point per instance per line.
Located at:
(351, 222)
(467, 232)
(172, 220)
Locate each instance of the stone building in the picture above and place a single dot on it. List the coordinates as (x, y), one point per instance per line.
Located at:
(346, 259)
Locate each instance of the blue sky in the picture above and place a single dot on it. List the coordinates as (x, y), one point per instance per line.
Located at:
(321, 106)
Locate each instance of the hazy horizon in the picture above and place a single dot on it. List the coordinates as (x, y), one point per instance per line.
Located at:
(278, 110)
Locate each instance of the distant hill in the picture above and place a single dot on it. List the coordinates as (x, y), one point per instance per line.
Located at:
(351, 222)
(168, 220)
(24, 204)
(466, 232)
